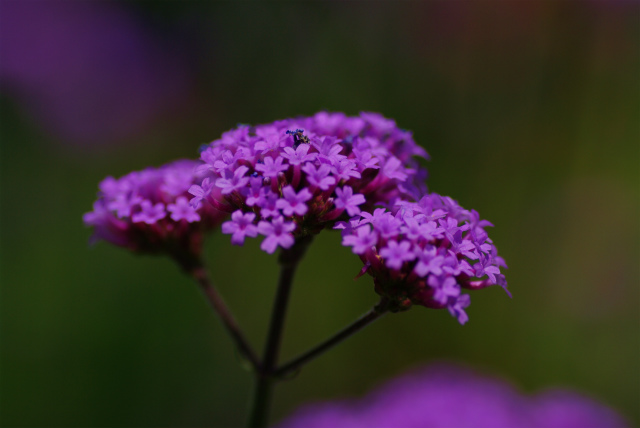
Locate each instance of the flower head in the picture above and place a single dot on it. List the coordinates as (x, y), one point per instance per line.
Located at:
(310, 172)
(149, 210)
(413, 260)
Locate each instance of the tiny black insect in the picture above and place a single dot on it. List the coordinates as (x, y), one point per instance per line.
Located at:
(298, 137)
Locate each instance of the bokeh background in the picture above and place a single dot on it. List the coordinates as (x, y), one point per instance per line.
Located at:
(530, 111)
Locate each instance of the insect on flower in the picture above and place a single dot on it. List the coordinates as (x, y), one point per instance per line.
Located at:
(298, 137)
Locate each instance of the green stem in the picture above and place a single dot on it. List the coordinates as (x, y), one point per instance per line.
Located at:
(216, 301)
(318, 350)
(289, 260)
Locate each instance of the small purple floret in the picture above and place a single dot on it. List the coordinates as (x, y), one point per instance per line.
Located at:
(395, 254)
(299, 155)
(429, 261)
(254, 193)
(123, 204)
(345, 199)
(445, 289)
(240, 226)
(150, 213)
(457, 308)
(362, 241)
(345, 170)
(271, 168)
(182, 210)
(293, 203)
(235, 182)
(319, 177)
(485, 267)
(277, 233)
(268, 204)
(200, 192)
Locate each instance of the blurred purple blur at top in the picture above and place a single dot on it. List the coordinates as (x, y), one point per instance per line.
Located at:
(446, 396)
(88, 72)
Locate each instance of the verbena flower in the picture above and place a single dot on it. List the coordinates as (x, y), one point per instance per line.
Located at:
(425, 253)
(149, 210)
(445, 396)
(299, 176)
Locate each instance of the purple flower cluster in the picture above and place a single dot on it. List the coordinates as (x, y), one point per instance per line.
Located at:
(425, 252)
(295, 177)
(445, 396)
(149, 210)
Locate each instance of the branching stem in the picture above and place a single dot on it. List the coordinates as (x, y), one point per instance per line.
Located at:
(320, 349)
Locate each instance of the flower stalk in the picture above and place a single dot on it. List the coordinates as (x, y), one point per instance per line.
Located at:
(289, 260)
(199, 273)
(366, 319)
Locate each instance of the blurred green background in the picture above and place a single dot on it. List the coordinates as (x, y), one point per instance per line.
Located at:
(530, 111)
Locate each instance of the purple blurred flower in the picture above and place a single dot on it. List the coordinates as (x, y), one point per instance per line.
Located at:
(89, 71)
(444, 396)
